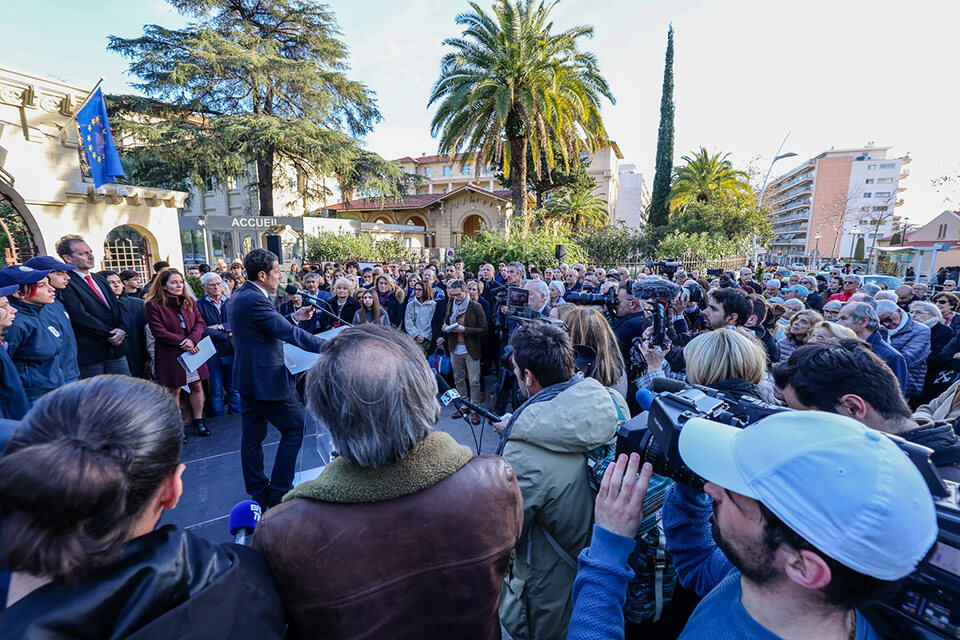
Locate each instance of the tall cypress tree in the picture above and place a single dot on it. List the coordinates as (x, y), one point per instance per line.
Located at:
(658, 213)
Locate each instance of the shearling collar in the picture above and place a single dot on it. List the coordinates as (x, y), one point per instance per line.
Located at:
(435, 458)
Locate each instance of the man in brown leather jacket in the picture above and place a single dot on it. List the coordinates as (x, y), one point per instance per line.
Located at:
(406, 534)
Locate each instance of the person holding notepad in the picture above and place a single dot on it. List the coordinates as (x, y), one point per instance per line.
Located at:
(177, 327)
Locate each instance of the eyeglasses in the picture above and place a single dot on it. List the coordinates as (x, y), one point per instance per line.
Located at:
(888, 321)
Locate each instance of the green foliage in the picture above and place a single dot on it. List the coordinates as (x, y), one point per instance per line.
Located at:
(658, 213)
(709, 178)
(525, 243)
(728, 219)
(18, 229)
(700, 247)
(560, 178)
(264, 83)
(331, 246)
(513, 83)
(579, 209)
(195, 285)
(611, 244)
(859, 251)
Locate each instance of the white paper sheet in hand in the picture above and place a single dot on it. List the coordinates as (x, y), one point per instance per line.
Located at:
(193, 361)
(297, 360)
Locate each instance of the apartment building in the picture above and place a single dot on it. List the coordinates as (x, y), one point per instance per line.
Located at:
(825, 206)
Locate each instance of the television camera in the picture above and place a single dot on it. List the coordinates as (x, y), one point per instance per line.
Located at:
(927, 605)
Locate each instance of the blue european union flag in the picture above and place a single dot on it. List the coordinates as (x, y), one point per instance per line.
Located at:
(97, 141)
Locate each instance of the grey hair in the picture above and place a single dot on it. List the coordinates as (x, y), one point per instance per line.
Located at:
(929, 307)
(519, 267)
(773, 282)
(456, 284)
(794, 302)
(311, 275)
(862, 297)
(541, 286)
(810, 280)
(208, 276)
(886, 306)
(872, 289)
(863, 310)
(886, 295)
(373, 419)
(833, 304)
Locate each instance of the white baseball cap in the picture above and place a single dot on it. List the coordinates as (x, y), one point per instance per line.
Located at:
(845, 488)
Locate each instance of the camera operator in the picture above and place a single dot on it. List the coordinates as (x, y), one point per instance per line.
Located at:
(565, 416)
(627, 324)
(847, 377)
(786, 550)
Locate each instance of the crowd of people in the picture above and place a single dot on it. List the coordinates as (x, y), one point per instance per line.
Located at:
(803, 519)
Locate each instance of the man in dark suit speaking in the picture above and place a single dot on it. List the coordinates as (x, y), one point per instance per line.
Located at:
(260, 376)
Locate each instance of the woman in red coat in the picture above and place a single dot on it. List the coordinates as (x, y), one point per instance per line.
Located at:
(177, 327)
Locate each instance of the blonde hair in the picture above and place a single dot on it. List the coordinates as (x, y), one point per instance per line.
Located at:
(589, 327)
(838, 330)
(725, 354)
(813, 318)
(398, 293)
(344, 282)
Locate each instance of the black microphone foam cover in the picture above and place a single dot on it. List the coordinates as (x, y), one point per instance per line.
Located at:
(664, 384)
(291, 289)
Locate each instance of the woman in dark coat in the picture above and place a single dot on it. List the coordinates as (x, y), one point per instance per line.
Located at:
(177, 327)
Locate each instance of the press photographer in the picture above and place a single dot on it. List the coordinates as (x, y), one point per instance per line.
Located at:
(807, 517)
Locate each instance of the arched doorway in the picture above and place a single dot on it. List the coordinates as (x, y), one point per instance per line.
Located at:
(417, 221)
(15, 220)
(127, 248)
(472, 225)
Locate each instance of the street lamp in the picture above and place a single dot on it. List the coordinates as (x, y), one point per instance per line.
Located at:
(763, 188)
(816, 251)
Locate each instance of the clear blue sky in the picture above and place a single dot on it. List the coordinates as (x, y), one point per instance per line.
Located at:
(832, 72)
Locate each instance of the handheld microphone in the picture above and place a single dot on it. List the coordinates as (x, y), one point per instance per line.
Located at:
(315, 302)
(644, 398)
(291, 290)
(243, 520)
(451, 396)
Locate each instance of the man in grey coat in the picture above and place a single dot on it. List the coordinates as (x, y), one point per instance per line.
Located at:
(911, 339)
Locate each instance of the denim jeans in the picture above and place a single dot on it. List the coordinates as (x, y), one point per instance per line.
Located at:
(221, 383)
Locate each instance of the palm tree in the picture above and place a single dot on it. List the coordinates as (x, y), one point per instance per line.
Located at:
(706, 178)
(511, 81)
(580, 209)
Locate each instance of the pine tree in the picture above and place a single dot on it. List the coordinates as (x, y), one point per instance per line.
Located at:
(246, 81)
(658, 213)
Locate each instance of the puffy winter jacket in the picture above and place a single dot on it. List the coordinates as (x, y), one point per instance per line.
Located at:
(912, 340)
(418, 318)
(33, 344)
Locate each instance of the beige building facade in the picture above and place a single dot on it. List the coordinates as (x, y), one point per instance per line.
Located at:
(42, 182)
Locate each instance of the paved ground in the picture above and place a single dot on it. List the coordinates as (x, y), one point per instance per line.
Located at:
(212, 483)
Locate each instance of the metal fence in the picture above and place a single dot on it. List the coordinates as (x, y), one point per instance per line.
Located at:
(123, 254)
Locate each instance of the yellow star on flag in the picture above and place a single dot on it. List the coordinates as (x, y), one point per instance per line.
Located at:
(90, 147)
(88, 138)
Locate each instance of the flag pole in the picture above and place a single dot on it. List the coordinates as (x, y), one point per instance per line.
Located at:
(84, 103)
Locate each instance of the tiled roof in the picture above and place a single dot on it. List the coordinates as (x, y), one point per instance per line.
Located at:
(432, 159)
(413, 201)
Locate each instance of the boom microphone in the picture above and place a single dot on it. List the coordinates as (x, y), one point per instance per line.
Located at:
(655, 288)
(669, 385)
(243, 520)
(451, 396)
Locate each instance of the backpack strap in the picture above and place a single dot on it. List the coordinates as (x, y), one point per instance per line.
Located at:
(566, 557)
(616, 405)
(661, 568)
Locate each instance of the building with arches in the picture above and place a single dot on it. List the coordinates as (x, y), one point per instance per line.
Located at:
(434, 219)
(45, 196)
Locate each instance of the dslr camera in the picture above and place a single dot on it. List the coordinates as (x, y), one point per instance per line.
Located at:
(666, 268)
(609, 300)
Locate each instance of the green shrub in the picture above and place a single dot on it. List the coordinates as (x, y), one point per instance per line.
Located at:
(523, 244)
(196, 286)
(330, 246)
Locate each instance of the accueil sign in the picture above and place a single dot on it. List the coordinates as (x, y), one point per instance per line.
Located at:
(254, 222)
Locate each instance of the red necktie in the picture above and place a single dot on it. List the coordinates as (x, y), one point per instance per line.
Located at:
(89, 280)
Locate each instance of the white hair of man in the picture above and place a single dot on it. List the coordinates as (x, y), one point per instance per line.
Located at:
(541, 286)
(208, 277)
(794, 303)
(886, 295)
(886, 306)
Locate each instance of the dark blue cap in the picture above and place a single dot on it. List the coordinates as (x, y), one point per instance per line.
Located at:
(49, 263)
(7, 290)
(17, 275)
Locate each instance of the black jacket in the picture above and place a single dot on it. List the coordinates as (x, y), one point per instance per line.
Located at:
(92, 319)
(212, 317)
(626, 329)
(169, 583)
(942, 438)
(132, 310)
(773, 351)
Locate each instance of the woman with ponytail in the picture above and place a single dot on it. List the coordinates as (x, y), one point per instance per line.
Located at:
(83, 483)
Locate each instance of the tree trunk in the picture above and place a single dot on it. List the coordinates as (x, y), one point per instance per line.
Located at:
(265, 183)
(518, 175)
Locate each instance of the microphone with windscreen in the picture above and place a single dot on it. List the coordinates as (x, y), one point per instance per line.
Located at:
(243, 520)
(291, 289)
(450, 396)
(661, 293)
